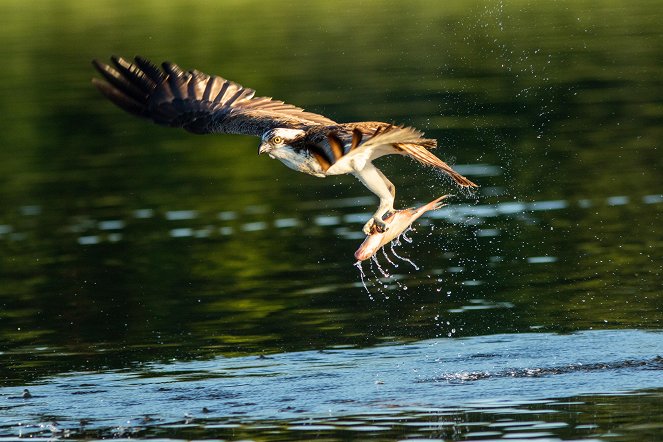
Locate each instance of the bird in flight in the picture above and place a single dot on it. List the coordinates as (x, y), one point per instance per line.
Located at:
(303, 141)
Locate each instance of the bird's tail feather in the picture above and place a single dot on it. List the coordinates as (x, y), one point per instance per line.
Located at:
(411, 143)
(421, 154)
(394, 135)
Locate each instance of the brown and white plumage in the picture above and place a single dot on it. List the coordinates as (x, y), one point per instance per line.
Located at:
(198, 102)
(303, 141)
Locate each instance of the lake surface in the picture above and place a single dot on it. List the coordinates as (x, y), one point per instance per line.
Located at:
(154, 283)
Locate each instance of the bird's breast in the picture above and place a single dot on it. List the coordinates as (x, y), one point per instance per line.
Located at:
(346, 164)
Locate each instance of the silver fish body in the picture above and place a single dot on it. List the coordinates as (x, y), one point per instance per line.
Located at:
(397, 223)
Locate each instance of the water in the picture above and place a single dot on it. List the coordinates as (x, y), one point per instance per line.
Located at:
(498, 386)
(159, 284)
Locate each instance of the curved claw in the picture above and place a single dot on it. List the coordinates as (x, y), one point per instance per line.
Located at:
(379, 226)
(376, 225)
(368, 227)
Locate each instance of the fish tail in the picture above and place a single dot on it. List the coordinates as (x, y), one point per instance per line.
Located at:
(439, 203)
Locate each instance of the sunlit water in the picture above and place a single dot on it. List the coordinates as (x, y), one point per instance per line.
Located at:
(512, 386)
(159, 284)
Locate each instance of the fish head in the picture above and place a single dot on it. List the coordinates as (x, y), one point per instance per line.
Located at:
(396, 224)
(369, 247)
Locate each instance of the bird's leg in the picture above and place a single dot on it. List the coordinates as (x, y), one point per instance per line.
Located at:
(387, 210)
(377, 183)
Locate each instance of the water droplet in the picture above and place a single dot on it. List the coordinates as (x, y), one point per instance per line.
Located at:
(362, 275)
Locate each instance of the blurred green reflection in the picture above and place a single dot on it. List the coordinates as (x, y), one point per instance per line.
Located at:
(559, 101)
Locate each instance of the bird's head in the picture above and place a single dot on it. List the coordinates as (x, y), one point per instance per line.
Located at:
(275, 139)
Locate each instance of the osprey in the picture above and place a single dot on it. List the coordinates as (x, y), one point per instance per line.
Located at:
(303, 141)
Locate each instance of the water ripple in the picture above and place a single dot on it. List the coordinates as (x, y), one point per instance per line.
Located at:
(178, 215)
(466, 214)
(515, 384)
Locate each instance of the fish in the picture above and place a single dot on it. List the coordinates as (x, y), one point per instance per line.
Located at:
(397, 223)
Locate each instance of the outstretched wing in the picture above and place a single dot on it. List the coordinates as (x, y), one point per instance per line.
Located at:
(195, 101)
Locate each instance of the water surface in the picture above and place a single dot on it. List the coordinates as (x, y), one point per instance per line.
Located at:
(144, 271)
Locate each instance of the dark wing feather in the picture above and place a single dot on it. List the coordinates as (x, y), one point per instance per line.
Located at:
(198, 102)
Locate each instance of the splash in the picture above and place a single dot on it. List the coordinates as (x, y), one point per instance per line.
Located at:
(402, 258)
(377, 263)
(384, 252)
(378, 277)
(378, 282)
(381, 279)
(406, 238)
(363, 278)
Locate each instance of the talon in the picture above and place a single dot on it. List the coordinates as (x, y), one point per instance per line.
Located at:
(368, 227)
(379, 225)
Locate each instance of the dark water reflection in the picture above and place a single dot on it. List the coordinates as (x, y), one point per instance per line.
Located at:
(123, 243)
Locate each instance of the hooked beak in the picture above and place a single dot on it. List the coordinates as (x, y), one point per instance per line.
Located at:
(264, 148)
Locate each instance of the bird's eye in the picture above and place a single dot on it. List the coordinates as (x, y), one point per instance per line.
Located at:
(277, 140)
